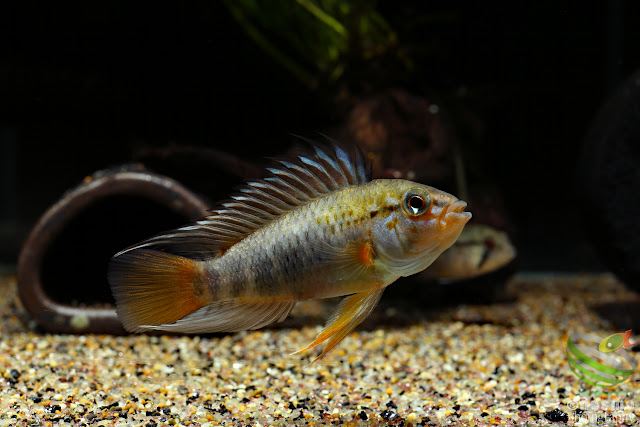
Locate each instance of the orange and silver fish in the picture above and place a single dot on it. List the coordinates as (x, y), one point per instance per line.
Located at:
(316, 227)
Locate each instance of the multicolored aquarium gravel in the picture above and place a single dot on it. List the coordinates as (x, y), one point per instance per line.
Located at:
(476, 365)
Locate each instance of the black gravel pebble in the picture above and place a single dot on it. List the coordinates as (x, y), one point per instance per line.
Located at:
(388, 415)
(113, 405)
(391, 405)
(528, 395)
(556, 416)
(523, 408)
(363, 416)
(52, 409)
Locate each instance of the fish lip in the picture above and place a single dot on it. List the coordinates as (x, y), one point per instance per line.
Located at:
(458, 206)
(460, 216)
(455, 211)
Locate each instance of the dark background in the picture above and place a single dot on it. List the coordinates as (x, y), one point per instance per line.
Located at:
(82, 86)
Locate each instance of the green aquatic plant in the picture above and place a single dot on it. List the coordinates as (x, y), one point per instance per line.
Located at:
(315, 40)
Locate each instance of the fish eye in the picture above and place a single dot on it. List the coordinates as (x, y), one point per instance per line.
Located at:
(416, 201)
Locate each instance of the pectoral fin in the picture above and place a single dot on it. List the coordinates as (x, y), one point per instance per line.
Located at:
(351, 311)
(351, 261)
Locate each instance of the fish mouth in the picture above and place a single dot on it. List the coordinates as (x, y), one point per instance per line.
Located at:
(455, 211)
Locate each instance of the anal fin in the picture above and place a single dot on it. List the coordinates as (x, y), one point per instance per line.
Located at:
(229, 316)
(351, 311)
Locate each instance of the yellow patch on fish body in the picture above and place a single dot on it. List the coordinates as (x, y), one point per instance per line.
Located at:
(316, 227)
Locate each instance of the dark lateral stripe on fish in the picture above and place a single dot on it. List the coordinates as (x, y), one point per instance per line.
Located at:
(383, 210)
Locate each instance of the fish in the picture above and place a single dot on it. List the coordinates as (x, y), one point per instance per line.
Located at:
(316, 226)
(479, 250)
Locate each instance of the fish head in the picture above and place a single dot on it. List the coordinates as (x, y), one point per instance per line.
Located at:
(424, 223)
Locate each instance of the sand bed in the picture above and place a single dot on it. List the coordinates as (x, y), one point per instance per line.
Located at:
(495, 364)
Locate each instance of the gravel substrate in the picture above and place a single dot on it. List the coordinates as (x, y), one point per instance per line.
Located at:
(498, 364)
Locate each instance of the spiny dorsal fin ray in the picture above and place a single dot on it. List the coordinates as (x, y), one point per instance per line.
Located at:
(293, 182)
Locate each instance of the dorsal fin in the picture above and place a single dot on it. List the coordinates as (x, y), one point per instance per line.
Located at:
(290, 183)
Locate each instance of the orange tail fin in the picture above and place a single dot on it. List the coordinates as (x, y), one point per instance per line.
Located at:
(155, 288)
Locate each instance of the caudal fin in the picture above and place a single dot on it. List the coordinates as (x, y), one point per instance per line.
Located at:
(154, 288)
